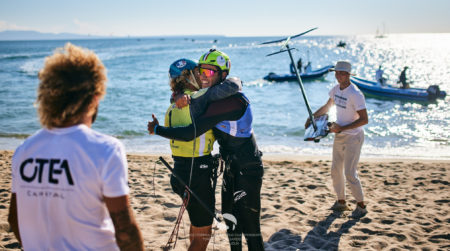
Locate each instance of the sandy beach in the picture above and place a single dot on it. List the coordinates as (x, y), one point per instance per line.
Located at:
(408, 203)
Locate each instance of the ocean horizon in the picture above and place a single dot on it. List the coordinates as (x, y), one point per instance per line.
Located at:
(138, 86)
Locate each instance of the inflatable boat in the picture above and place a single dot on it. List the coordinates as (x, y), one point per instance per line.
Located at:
(388, 91)
(311, 75)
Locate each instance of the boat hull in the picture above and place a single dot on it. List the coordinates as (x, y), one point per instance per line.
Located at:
(316, 74)
(388, 91)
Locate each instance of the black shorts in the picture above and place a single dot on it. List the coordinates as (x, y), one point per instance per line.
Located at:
(201, 185)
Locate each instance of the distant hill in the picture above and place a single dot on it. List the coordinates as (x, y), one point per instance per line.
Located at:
(35, 35)
(16, 35)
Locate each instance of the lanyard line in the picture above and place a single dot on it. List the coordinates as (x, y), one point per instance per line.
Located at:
(193, 150)
(189, 190)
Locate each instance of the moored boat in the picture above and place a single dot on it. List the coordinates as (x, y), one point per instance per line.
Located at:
(310, 75)
(388, 91)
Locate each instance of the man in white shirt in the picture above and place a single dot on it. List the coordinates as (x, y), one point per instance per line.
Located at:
(379, 76)
(351, 115)
(69, 182)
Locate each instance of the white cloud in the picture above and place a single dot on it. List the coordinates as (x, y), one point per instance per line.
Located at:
(9, 26)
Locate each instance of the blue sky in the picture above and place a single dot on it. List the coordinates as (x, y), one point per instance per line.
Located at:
(231, 18)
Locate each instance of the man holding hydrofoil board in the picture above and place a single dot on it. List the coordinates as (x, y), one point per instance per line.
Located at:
(351, 115)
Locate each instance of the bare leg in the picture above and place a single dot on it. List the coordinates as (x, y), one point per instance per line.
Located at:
(199, 237)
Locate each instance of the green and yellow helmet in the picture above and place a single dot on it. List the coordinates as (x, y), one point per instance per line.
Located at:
(216, 58)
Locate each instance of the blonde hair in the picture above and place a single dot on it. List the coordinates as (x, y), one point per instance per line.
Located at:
(70, 80)
(180, 83)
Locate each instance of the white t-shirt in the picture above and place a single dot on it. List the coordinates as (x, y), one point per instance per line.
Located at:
(379, 75)
(348, 102)
(60, 177)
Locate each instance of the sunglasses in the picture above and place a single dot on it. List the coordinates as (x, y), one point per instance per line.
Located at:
(207, 72)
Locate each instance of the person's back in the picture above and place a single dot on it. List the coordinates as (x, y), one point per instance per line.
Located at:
(60, 176)
(233, 136)
(69, 183)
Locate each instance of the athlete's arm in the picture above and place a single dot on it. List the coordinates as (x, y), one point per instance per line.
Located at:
(231, 108)
(199, 102)
(228, 87)
(128, 235)
(12, 217)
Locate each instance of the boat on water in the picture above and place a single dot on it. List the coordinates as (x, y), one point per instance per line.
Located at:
(381, 34)
(373, 88)
(309, 75)
(341, 44)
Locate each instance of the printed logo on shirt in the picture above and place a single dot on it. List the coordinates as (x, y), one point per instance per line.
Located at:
(203, 166)
(31, 170)
(46, 171)
(46, 194)
(340, 101)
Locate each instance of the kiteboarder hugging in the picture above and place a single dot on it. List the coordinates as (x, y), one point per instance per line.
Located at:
(230, 119)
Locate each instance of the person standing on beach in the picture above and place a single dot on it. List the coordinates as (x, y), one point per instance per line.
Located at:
(193, 162)
(231, 120)
(351, 116)
(69, 182)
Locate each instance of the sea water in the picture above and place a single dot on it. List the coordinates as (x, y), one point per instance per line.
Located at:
(138, 86)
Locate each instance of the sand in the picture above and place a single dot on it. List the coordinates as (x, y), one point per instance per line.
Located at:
(408, 203)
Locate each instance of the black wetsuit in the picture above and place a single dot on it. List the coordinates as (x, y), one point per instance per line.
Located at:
(243, 173)
(403, 79)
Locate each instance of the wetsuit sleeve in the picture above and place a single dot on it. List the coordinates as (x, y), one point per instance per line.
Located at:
(231, 108)
(223, 90)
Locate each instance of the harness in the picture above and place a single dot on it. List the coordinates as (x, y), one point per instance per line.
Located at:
(188, 192)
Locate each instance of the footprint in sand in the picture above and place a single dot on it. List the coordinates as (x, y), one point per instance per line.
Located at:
(295, 209)
(439, 238)
(170, 205)
(387, 222)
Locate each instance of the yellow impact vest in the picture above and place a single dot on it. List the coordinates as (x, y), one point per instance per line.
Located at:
(176, 117)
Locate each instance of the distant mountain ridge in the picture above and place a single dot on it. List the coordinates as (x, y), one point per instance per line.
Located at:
(18, 35)
(11, 35)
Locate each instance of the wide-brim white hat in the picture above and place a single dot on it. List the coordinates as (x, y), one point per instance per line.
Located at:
(343, 66)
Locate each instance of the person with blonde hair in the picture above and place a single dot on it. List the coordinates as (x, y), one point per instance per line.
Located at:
(230, 119)
(193, 162)
(69, 182)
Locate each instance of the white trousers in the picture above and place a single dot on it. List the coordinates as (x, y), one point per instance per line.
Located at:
(346, 151)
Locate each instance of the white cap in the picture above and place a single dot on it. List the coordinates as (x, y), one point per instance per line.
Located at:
(343, 66)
